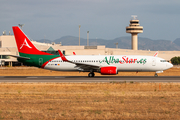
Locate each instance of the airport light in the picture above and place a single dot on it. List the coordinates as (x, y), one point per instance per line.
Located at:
(116, 45)
(87, 38)
(79, 34)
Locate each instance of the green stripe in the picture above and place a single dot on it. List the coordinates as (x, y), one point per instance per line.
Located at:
(36, 60)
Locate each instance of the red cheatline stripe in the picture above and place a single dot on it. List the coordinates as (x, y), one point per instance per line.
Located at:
(48, 62)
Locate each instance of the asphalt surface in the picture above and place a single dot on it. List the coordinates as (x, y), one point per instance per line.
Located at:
(77, 79)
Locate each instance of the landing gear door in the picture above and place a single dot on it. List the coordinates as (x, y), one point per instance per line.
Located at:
(154, 62)
(40, 61)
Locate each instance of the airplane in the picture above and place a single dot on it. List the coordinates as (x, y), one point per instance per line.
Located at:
(104, 64)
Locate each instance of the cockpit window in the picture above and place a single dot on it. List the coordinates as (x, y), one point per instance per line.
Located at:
(163, 61)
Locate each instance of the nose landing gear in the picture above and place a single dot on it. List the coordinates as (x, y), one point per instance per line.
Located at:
(155, 75)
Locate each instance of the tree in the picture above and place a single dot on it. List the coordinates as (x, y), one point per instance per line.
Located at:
(175, 60)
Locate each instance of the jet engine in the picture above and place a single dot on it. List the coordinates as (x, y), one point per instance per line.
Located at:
(110, 70)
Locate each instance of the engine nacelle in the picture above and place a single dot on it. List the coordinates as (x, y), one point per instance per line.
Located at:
(110, 70)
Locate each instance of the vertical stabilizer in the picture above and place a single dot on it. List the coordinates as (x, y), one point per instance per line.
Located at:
(24, 45)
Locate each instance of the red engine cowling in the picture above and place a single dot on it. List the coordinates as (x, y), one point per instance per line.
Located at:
(110, 70)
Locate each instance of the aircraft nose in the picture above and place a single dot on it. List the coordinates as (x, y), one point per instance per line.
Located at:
(169, 65)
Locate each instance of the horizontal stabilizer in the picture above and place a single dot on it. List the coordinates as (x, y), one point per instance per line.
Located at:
(19, 57)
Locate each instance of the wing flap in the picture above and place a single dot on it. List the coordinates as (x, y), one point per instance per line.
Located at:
(86, 66)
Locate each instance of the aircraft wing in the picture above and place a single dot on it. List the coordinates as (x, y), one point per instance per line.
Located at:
(86, 66)
(80, 65)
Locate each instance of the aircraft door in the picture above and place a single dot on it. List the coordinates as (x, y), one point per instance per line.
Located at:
(154, 62)
(40, 61)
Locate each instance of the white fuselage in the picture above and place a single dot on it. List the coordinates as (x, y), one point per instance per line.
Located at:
(121, 62)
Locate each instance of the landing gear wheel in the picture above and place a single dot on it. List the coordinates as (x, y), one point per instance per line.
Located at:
(155, 75)
(91, 75)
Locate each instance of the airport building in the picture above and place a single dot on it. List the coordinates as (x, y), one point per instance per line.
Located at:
(8, 47)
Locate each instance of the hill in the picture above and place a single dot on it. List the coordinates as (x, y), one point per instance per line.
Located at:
(123, 42)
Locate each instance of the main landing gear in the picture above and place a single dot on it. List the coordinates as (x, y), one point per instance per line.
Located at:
(91, 74)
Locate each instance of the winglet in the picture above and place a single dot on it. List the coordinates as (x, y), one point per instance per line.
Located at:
(74, 53)
(62, 56)
(156, 54)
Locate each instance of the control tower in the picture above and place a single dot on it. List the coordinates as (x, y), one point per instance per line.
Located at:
(134, 29)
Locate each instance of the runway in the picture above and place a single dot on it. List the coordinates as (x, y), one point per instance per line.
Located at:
(84, 79)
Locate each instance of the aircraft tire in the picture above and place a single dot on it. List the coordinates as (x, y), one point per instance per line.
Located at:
(155, 75)
(91, 75)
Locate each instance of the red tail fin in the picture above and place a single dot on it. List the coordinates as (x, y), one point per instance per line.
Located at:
(24, 45)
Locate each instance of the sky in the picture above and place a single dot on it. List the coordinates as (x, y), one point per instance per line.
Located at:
(105, 19)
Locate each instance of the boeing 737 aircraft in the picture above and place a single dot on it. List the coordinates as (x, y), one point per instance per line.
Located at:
(104, 64)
